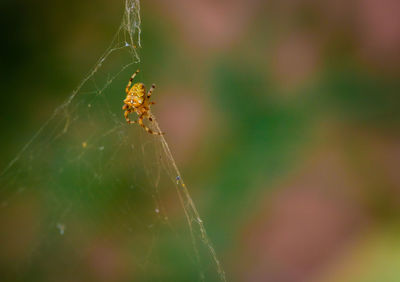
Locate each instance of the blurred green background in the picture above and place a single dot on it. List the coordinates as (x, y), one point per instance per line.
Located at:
(283, 117)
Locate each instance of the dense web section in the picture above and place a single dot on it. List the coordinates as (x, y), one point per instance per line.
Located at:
(91, 198)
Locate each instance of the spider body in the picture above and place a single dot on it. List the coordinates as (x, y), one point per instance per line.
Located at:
(137, 101)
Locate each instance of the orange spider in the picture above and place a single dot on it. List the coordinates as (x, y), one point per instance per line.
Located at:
(138, 101)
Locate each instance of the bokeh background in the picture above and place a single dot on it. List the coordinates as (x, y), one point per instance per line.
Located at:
(282, 115)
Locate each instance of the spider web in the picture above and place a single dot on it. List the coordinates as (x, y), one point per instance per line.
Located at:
(91, 198)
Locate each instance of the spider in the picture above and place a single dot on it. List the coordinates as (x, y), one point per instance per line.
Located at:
(138, 101)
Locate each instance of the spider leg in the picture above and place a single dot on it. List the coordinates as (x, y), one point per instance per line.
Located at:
(151, 90)
(126, 114)
(130, 81)
(146, 128)
(125, 107)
